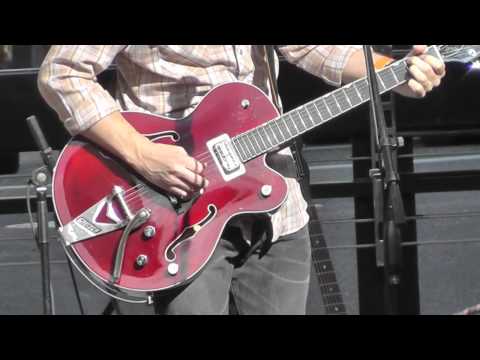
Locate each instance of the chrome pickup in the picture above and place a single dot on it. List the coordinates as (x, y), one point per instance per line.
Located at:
(226, 157)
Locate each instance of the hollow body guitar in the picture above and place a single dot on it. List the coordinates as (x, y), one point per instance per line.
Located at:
(130, 239)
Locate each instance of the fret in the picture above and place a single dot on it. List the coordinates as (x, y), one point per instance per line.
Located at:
(245, 146)
(400, 70)
(362, 88)
(238, 149)
(323, 109)
(291, 125)
(347, 97)
(353, 95)
(330, 289)
(326, 266)
(332, 299)
(388, 78)
(260, 139)
(314, 114)
(283, 128)
(264, 136)
(322, 253)
(341, 100)
(256, 144)
(298, 121)
(381, 85)
(338, 308)
(332, 105)
(327, 278)
(394, 75)
(250, 144)
(307, 119)
(256, 147)
(271, 133)
(278, 132)
(357, 92)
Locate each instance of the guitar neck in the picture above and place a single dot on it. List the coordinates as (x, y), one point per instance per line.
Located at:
(279, 132)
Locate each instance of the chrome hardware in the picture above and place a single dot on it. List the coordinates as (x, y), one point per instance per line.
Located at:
(245, 104)
(172, 269)
(149, 232)
(141, 261)
(150, 300)
(140, 218)
(118, 192)
(266, 191)
(86, 226)
(401, 141)
(226, 158)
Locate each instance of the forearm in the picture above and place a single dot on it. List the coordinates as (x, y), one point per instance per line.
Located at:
(114, 134)
(356, 66)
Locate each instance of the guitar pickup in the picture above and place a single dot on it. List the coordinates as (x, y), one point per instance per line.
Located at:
(225, 157)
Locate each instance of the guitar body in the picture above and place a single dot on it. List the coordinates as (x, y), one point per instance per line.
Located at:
(85, 175)
(131, 240)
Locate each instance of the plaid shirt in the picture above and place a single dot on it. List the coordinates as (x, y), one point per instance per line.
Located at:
(171, 80)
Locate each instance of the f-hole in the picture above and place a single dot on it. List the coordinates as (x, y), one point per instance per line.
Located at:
(189, 233)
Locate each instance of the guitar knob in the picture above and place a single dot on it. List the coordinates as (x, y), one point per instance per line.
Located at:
(141, 261)
(266, 191)
(149, 232)
(172, 269)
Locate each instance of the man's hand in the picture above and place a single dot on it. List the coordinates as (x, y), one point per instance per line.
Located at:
(166, 166)
(426, 73)
(171, 168)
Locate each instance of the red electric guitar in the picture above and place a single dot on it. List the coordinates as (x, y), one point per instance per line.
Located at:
(130, 239)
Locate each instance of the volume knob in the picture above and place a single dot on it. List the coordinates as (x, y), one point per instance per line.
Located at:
(172, 269)
(266, 191)
(149, 232)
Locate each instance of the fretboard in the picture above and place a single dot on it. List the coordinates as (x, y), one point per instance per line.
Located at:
(282, 130)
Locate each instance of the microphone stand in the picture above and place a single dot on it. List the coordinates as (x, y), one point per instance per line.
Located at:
(388, 203)
(40, 179)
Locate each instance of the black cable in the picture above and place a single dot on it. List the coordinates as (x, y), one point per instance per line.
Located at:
(75, 287)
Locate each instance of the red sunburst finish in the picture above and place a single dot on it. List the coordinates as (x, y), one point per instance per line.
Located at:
(84, 176)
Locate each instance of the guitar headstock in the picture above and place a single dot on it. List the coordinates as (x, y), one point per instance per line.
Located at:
(459, 53)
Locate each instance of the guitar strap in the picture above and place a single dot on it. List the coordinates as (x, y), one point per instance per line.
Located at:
(295, 147)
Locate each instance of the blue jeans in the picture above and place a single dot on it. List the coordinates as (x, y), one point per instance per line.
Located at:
(273, 283)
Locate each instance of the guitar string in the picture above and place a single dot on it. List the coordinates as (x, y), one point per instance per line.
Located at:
(132, 195)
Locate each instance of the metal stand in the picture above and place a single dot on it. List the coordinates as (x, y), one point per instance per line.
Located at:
(39, 179)
(387, 198)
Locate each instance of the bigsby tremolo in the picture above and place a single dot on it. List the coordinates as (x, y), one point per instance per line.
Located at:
(134, 221)
(86, 226)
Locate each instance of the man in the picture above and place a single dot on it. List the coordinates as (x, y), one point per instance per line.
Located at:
(171, 80)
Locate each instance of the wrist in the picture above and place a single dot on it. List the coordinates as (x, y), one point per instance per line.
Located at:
(134, 153)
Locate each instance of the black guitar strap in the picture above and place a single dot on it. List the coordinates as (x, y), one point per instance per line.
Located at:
(296, 146)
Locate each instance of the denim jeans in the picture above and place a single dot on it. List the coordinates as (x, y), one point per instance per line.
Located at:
(271, 283)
